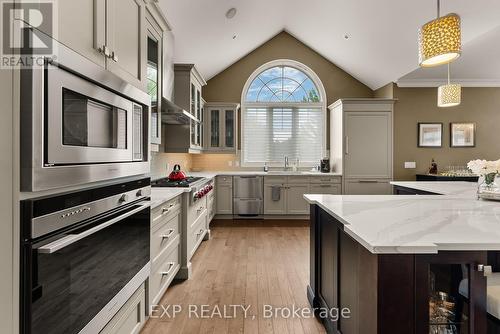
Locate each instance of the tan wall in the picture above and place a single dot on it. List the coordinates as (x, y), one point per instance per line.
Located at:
(228, 85)
(385, 92)
(479, 105)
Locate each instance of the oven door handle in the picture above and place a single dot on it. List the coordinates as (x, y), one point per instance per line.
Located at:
(72, 238)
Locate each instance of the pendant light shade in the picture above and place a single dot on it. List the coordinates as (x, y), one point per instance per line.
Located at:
(449, 95)
(440, 40)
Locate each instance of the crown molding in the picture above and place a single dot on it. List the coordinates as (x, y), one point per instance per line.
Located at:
(421, 83)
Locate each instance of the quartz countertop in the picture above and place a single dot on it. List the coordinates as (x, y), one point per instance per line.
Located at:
(455, 188)
(162, 195)
(417, 224)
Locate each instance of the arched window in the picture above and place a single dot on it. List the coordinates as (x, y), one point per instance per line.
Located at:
(283, 115)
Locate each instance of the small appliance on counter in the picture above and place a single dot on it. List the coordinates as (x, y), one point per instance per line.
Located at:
(177, 174)
(325, 165)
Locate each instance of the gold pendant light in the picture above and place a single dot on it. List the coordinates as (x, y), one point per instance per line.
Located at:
(440, 40)
(449, 95)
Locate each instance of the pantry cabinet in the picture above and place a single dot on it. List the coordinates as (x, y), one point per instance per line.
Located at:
(361, 146)
(224, 195)
(221, 120)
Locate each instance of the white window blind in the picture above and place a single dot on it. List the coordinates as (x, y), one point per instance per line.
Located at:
(271, 133)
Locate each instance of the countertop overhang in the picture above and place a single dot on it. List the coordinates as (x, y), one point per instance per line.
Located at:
(392, 224)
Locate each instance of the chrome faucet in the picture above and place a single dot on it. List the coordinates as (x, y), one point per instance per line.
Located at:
(286, 163)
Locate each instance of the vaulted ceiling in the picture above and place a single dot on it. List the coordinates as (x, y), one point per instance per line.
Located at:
(382, 34)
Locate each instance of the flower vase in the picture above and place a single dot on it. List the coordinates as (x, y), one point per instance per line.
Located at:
(489, 187)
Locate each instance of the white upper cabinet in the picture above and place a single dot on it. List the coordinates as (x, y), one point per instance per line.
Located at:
(110, 33)
(125, 31)
(221, 125)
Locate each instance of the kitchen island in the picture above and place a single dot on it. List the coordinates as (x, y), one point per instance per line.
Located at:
(394, 260)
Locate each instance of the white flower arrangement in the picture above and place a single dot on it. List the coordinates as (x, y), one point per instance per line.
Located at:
(483, 167)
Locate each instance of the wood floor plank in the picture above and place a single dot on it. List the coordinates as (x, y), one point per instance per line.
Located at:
(249, 263)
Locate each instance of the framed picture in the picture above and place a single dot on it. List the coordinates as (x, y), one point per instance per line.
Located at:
(430, 134)
(463, 134)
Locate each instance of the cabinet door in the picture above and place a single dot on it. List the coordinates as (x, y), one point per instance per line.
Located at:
(367, 187)
(154, 75)
(224, 199)
(295, 202)
(274, 207)
(229, 128)
(450, 281)
(215, 128)
(82, 27)
(326, 189)
(126, 28)
(368, 145)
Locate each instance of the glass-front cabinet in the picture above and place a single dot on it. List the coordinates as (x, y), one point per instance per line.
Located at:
(221, 121)
(450, 289)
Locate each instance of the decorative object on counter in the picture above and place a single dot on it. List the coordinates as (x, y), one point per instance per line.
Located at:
(440, 40)
(462, 134)
(430, 134)
(434, 167)
(177, 174)
(488, 184)
(449, 95)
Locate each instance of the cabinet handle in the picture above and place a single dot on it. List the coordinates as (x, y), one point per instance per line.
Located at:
(347, 145)
(325, 185)
(168, 235)
(104, 50)
(368, 181)
(164, 211)
(114, 56)
(170, 267)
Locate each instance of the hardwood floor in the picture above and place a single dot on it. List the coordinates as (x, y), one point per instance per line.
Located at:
(250, 263)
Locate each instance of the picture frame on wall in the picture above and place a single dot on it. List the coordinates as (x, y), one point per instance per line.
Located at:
(462, 134)
(430, 134)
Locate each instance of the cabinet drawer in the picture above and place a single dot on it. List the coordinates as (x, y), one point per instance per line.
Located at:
(196, 210)
(165, 211)
(163, 272)
(298, 179)
(326, 189)
(228, 180)
(274, 179)
(164, 234)
(368, 187)
(325, 179)
(131, 317)
(196, 233)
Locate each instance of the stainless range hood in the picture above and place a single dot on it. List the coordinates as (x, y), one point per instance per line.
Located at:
(173, 114)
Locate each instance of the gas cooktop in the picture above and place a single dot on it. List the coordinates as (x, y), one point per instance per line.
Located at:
(176, 184)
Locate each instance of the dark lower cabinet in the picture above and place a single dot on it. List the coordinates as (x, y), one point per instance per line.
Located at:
(394, 293)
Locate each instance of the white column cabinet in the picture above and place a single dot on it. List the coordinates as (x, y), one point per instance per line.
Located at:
(361, 146)
(224, 195)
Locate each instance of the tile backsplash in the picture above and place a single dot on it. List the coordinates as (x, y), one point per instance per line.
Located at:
(163, 163)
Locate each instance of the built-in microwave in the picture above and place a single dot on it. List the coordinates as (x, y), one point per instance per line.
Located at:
(80, 124)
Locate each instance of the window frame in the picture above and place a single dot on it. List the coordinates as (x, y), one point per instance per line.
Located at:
(322, 105)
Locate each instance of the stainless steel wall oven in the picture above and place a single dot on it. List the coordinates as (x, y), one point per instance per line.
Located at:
(83, 254)
(80, 124)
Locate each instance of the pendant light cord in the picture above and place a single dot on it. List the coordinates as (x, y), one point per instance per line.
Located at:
(448, 73)
(439, 8)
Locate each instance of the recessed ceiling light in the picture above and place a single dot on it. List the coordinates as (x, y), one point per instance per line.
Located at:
(234, 36)
(347, 36)
(231, 13)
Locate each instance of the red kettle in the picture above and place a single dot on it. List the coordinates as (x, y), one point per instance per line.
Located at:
(177, 174)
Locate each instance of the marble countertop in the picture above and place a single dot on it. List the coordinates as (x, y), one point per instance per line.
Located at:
(162, 195)
(417, 224)
(212, 174)
(465, 189)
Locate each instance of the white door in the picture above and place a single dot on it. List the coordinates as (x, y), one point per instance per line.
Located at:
(325, 189)
(295, 202)
(126, 38)
(368, 145)
(82, 27)
(272, 207)
(224, 199)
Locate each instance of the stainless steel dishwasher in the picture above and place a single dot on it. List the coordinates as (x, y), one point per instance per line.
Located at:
(248, 196)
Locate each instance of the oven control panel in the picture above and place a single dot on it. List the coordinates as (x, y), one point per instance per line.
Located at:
(202, 192)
